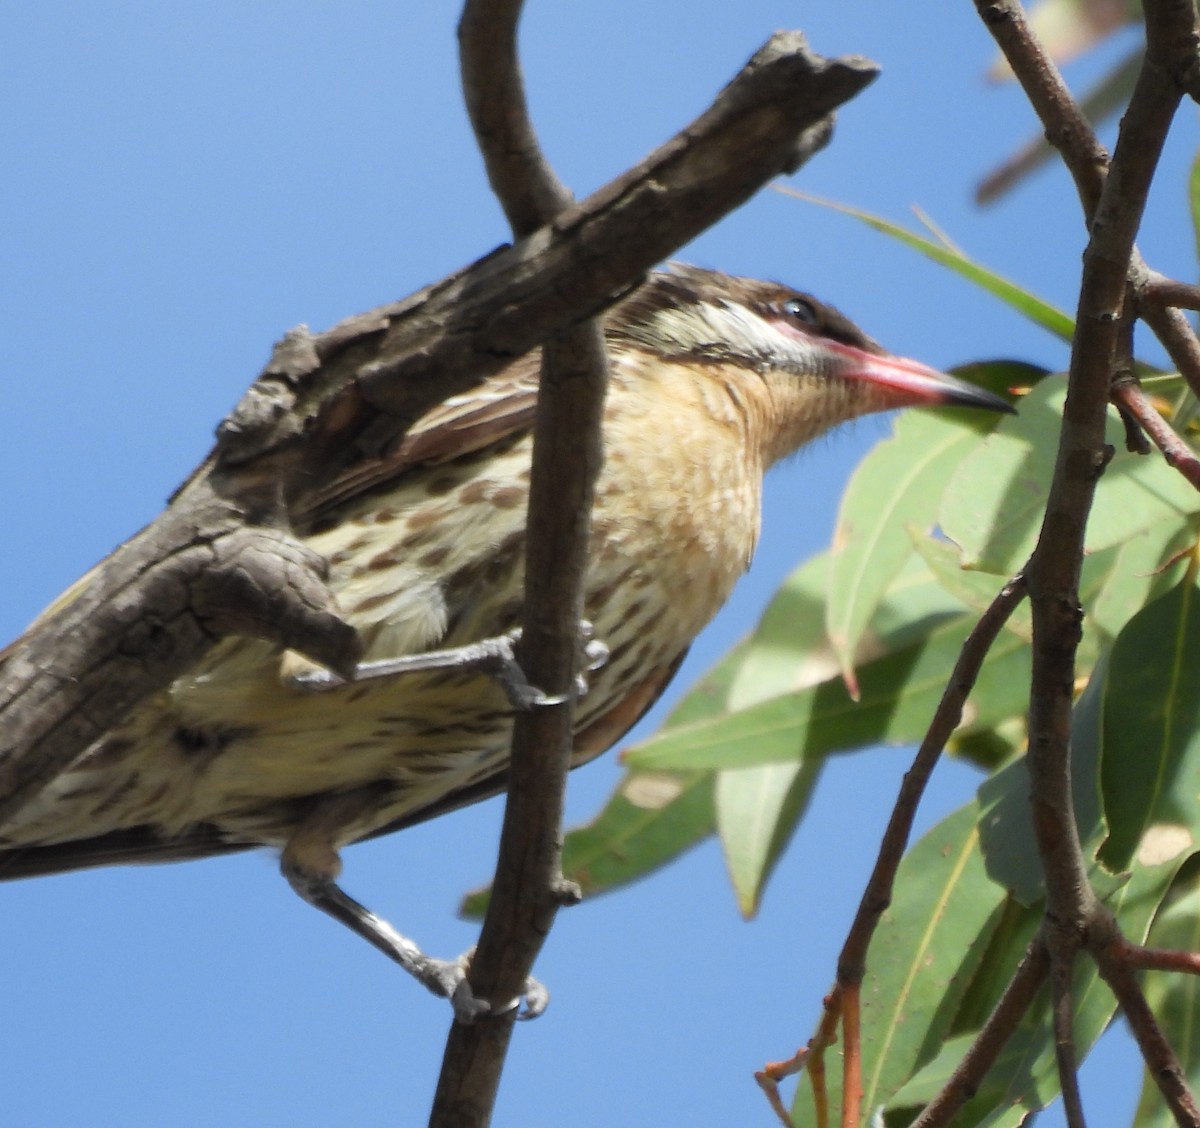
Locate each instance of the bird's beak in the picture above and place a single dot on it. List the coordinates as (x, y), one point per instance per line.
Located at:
(909, 382)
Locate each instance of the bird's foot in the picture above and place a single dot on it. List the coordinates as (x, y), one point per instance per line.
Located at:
(445, 978)
(494, 656)
(468, 1007)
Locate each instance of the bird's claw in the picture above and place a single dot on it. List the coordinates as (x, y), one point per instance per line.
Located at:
(498, 657)
(595, 656)
(520, 692)
(469, 1008)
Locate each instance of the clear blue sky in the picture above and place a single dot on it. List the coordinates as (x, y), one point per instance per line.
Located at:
(185, 182)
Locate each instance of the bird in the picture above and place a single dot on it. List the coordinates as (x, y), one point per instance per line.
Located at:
(713, 379)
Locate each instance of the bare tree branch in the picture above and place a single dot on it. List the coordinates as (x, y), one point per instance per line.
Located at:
(1054, 567)
(525, 184)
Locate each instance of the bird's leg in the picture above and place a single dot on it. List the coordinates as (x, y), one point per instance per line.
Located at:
(494, 656)
(311, 864)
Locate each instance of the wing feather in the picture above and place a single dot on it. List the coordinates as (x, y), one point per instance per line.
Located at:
(500, 407)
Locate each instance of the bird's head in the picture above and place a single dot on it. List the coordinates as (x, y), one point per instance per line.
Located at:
(818, 367)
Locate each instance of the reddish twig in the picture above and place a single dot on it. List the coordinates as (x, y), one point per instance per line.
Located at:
(772, 1073)
(1129, 397)
(1153, 959)
(852, 1088)
(878, 892)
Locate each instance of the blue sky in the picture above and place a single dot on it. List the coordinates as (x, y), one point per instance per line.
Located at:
(186, 182)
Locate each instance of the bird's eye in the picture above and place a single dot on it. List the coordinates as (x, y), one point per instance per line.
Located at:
(800, 310)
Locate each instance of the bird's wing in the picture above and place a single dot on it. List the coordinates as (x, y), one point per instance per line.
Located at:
(502, 406)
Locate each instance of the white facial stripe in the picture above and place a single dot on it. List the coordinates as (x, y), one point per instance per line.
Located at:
(730, 328)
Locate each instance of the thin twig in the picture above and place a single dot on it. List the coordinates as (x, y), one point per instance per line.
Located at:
(1130, 397)
(1062, 1010)
(1178, 337)
(772, 1073)
(964, 1082)
(1155, 959)
(1163, 291)
(1111, 951)
(877, 894)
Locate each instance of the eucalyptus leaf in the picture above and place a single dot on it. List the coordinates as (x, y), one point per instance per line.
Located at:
(1151, 730)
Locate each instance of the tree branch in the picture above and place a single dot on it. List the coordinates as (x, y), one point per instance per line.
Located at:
(525, 184)
(1114, 197)
(567, 456)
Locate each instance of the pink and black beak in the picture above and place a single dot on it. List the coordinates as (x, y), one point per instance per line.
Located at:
(909, 383)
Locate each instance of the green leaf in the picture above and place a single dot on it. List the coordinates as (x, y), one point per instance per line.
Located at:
(899, 483)
(758, 810)
(993, 508)
(1114, 584)
(899, 694)
(788, 649)
(1151, 730)
(1119, 581)
(759, 807)
(1039, 312)
(975, 589)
